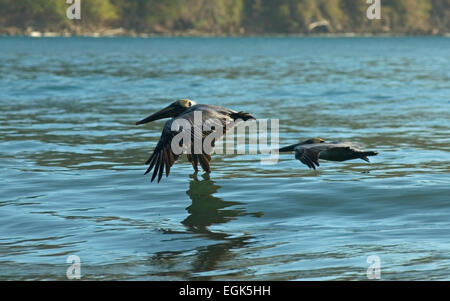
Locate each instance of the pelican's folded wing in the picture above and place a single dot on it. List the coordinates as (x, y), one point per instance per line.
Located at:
(308, 156)
(213, 130)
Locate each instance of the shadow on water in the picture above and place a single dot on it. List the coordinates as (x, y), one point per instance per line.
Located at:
(205, 211)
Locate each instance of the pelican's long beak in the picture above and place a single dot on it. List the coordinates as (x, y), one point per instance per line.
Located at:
(289, 148)
(169, 111)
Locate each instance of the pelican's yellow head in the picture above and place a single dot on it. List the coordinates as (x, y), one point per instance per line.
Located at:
(313, 141)
(184, 103)
(318, 140)
(172, 110)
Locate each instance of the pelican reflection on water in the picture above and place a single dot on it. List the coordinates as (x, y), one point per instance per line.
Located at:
(205, 211)
(206, 208)
(163, 156)
(310, 151)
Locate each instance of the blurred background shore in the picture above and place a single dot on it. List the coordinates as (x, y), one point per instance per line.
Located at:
(223, 18)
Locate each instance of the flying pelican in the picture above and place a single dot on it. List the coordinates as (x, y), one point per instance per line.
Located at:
(310, 151)
(163, 156)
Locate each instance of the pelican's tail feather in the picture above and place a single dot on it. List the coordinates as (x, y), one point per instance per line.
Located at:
(242, 115)
(364, 155)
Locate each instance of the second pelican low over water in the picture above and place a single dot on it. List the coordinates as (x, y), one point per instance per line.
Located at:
(310, 151)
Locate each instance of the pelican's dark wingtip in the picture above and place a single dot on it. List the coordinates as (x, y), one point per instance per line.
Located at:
(148, 170)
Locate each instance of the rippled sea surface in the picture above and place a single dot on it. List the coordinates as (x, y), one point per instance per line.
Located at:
(71, 159)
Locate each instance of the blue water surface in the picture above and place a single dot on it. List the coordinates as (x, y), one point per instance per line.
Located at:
(71, 159)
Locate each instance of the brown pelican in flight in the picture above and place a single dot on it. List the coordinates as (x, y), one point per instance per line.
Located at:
(220, 118)
(310, 151)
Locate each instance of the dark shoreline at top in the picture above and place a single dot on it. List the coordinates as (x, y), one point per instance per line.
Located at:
(38, 34)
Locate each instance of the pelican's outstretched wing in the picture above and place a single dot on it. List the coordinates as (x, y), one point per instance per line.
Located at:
(163, 157)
